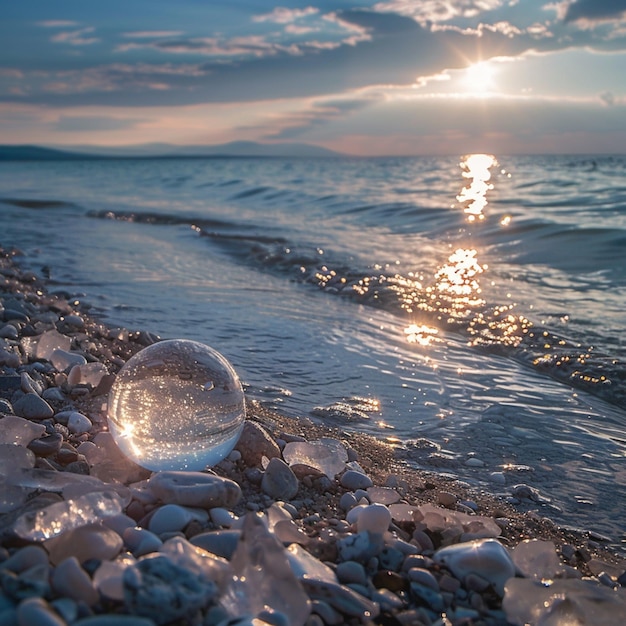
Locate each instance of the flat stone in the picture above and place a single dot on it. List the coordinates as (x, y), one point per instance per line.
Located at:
(93, 541)
(194, 489)
(279, 481)
(31, 406)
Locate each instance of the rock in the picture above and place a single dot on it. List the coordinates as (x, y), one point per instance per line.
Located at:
(93, 541)
(37, 611)
(423, 577)
(50, 341)
(25, 558)
(486, 557)
(71, 580)
(46, 446)
(255, 443)
(279, 481)
(156, 588)
(374, 518)
(79, 423)
(353, 480)
(359, 547)
(173, 517)
(8, 331)
(141, 541)
(351, 572)
(195, 489)
(219, 542)
(31, 406)
(114, 620)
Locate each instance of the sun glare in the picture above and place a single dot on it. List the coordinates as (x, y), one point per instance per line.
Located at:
(479, 77)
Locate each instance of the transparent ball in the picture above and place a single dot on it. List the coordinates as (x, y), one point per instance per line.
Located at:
(176, 405)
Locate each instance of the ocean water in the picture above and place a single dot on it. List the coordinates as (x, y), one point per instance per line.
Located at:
(457, 307)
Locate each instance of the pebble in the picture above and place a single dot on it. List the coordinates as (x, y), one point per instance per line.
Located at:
(219, 542)
(194, 489)
(347, 501)
(374, 518)
(173, 517)
(351, 572)
(141, 541)
(36, 611)
(31, 406)
(93, 541)
(79, 423)
(279, 481)
(255, 443)
(25, 558)
(114, 620)
(353, 480)
(71, 580)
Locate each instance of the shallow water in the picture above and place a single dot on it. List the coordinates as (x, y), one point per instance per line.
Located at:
(475, 302)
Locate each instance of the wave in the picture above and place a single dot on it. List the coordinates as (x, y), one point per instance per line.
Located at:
(29, 203)
(449, 300)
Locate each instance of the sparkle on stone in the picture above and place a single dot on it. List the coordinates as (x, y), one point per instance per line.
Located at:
(176, 405)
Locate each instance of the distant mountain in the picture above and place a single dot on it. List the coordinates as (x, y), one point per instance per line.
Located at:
(36, 153)
(160, 150)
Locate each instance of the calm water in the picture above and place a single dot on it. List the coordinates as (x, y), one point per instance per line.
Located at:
(479, 303)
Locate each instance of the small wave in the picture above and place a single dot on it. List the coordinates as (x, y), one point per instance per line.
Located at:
(27, 203)
(249, 193)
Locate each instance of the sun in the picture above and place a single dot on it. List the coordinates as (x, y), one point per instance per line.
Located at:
(479, 77)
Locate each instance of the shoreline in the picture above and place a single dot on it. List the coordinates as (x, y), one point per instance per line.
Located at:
(322, 516)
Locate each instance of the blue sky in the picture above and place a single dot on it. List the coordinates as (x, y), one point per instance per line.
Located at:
(362, 77)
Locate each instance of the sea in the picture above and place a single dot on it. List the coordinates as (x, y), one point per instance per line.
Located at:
(469, 310)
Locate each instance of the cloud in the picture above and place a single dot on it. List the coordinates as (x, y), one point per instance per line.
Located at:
(152, 34)
(594, 10)
(76, 37)
(429, 11)
(283, 15)
(57, 23)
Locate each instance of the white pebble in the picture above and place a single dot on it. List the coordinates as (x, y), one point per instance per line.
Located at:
(374, 518)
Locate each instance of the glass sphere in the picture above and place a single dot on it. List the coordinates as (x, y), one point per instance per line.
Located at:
(176, 405)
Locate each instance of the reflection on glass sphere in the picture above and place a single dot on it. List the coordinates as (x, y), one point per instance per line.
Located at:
(176, 405)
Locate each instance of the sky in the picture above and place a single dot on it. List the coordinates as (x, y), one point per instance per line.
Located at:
(363, 77)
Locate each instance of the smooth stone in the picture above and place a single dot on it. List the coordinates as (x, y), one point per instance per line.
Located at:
(9, 332)
(279, 481)
(93, 541)
(29, 385)
(486, 557)
(141, 541)
(423, 577)
(474, 462)
(219, 542)
(46, 446)
(194, 489)
(108, 578)
(36, 611)
(374, 518)
(31, 406)
(347, 501)
(156, 588)
(25, 558)
(351, 572)
(353, 480)
(74, 320)
(79, 423)
(383, 495)
(446, 499)
(255, 443)
(222, 517)
(359, 547)
(173, 517)
(70, 579)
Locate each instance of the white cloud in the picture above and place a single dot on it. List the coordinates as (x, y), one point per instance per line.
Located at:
(57, 23)
(76, 37)
(283, 15)
(152, 34)
(429, 11)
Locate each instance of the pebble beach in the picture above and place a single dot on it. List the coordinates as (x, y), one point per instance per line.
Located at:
(299, 525)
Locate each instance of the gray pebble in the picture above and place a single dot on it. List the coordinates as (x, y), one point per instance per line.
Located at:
(31, 406)
(354, 480)
(279, 481)
(351, 572)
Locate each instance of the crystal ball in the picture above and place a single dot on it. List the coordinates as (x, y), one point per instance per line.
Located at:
(176, 405)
